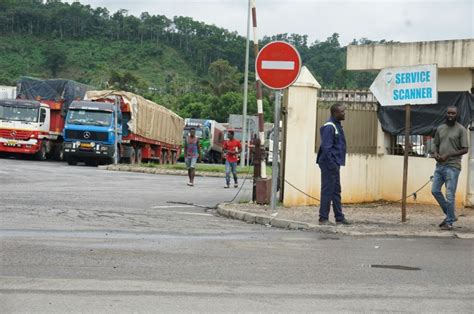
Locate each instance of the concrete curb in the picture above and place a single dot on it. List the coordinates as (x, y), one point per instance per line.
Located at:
(128, 168)
(342, 230)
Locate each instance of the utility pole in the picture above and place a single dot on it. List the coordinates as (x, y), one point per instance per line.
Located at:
(246, 87)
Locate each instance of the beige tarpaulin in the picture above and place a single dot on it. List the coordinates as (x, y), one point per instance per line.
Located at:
(148, 119)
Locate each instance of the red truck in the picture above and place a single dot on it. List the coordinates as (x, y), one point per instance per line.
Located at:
(33, 123)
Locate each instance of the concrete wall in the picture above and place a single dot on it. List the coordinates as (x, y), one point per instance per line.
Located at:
(419, 171)
(369, 178)
(365, 178)
(446, 54)
(300, 166)
(455, 80)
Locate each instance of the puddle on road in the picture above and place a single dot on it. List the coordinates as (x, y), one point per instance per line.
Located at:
(328, 238)
(396, 267)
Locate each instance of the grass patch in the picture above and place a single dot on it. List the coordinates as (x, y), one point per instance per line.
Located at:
(206, 168)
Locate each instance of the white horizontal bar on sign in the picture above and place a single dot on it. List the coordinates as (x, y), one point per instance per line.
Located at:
(278, 65)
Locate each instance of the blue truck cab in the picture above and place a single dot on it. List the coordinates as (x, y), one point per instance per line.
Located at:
(89, 133)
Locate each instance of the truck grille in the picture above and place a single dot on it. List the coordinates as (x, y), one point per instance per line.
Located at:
(15, 134)
(86, 135)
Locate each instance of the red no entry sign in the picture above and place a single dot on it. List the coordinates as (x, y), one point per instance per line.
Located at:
(278, 65)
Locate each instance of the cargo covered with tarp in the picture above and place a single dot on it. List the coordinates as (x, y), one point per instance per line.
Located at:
(426, 118)
(52, 89)
(148, 119)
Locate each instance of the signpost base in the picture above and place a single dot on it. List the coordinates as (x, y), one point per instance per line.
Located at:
(263, 193)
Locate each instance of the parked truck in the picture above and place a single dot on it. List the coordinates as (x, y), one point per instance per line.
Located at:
(32, 125)
(7, 92)
(116, 125)
(211, 135)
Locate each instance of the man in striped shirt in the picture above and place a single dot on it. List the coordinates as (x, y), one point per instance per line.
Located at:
(192, 151)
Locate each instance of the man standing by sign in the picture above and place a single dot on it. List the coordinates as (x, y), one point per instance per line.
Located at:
(413, 85)
(450, 144)
(331, 156)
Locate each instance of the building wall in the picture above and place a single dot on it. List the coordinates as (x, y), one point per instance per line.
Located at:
(419, 172)
(446, 54)
(455, 80)
(300, 161)
(369, 178)
(365, 178)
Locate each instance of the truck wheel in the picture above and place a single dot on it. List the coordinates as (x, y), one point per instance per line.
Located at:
(71, 161)
(59, 153)
(133, 158)
(173, 158)
(139, 155)
(216, 157)
(41, 154)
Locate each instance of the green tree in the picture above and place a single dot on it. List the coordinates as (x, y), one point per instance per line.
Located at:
(222, 77)
(126, 81)
(54, 59)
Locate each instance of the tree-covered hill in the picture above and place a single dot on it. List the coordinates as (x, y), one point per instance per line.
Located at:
(188, 66)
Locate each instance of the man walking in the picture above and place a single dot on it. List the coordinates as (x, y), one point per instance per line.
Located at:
(232, 149)
(192, 151)
(450, 143)
(331, 156)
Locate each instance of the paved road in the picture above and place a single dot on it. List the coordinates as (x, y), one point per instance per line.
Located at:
(80, 239)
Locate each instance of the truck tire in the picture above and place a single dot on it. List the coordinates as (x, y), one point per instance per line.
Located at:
(216, 157)
(173, 157)
(71, 161)
(165, 157)
(139, 155)
(41, 154)
(133, 158)
(58, 152)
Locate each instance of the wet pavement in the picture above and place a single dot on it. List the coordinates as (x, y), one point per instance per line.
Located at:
(81, 239)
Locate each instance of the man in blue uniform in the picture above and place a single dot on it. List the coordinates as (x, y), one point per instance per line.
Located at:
(331, 156)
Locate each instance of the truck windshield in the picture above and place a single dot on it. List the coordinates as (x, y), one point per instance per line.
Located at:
(237, 135)
(198, 132)
(18, 113)
(89, 117)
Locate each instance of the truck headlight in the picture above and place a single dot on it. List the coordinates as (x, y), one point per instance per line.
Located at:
(92, 144)
(67, 145)
(103, 149)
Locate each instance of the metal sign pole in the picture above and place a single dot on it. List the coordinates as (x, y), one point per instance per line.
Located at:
(405, 162)
(248, 149)
(276, 141)
(116, 154)
(246, 85)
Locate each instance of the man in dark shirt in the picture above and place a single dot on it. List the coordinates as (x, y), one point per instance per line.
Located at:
(450, 143)
(331, 156)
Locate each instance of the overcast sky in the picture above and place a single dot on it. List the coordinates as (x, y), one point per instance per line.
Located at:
(399, 20)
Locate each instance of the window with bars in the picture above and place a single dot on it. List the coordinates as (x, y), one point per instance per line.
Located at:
(419, 145)
(360, 126)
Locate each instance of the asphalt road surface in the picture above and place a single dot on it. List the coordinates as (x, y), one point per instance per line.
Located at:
(81, 239)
